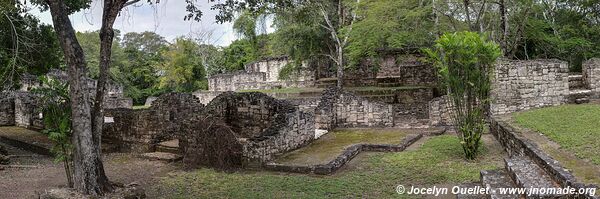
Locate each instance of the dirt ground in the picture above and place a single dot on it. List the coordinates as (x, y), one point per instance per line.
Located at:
(45, 174)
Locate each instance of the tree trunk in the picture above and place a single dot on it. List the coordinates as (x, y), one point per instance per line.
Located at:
(340, 67)
(86, 156)
(468, 14)
(503, 26)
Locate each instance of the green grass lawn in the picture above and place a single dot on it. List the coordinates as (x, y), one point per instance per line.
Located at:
(438, 162)
(575, 127)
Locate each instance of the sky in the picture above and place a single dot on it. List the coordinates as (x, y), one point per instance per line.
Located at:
(165, 18)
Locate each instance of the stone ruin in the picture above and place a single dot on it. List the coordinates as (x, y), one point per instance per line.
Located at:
(23, 108)
(261, 126)
(114, 95)
(262, 74)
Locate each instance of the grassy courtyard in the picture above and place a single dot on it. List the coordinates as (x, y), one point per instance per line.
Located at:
(438, 162)
(576, 128)
(332, 144)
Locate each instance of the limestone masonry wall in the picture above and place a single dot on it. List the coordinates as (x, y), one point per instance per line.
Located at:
(521, 85)
(397, 68)
(341, 109)
(28, 112)
(263, 74)
(591, 76)
(7, 109)
(265, 126)
(140, 130)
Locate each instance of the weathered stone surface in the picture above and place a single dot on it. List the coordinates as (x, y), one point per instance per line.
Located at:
(338, 108)
(141, 130)
(393, 68)
(7, 109)
(591, 76)
(347, 155)
(439, 112)
(521, 85)
(516, 145)
(528, 174)
(494, 179)
(262, 74)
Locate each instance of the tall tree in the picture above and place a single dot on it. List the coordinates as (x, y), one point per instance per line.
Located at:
(88, 171)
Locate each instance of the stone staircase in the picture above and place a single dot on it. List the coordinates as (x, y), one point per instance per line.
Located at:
(165, 151)
(519, 172)
(578, 91)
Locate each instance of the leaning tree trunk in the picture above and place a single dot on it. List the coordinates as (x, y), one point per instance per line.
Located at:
(86, 156)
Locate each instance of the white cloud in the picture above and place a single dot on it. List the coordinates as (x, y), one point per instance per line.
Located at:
(165, 18)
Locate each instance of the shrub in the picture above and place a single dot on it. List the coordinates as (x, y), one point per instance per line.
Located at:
(465, 62)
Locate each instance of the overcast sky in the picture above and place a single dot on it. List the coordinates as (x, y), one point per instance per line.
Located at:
(165, 19)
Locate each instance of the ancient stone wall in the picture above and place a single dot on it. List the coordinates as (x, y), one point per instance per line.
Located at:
(7, 109)
(342, 109)
(397, 68)
(439, 112)
(521, 85)
(262, 74)
(141, 130)
(28, 111)
(591, 76)
(265, 126)
(114, 95)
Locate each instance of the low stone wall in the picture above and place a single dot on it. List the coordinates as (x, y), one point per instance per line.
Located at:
(591, 76)
(348, 154)
(522, 85)
(516, 145)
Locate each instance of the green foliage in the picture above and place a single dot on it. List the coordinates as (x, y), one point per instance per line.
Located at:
(90, 42)
(183, 70)
(26, 46)
(388, 24)
(56, 113)
(139, 73)
(465, 62)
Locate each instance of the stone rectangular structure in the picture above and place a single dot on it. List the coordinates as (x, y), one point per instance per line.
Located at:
(591, 76)
(522, 85)
(262, 74)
